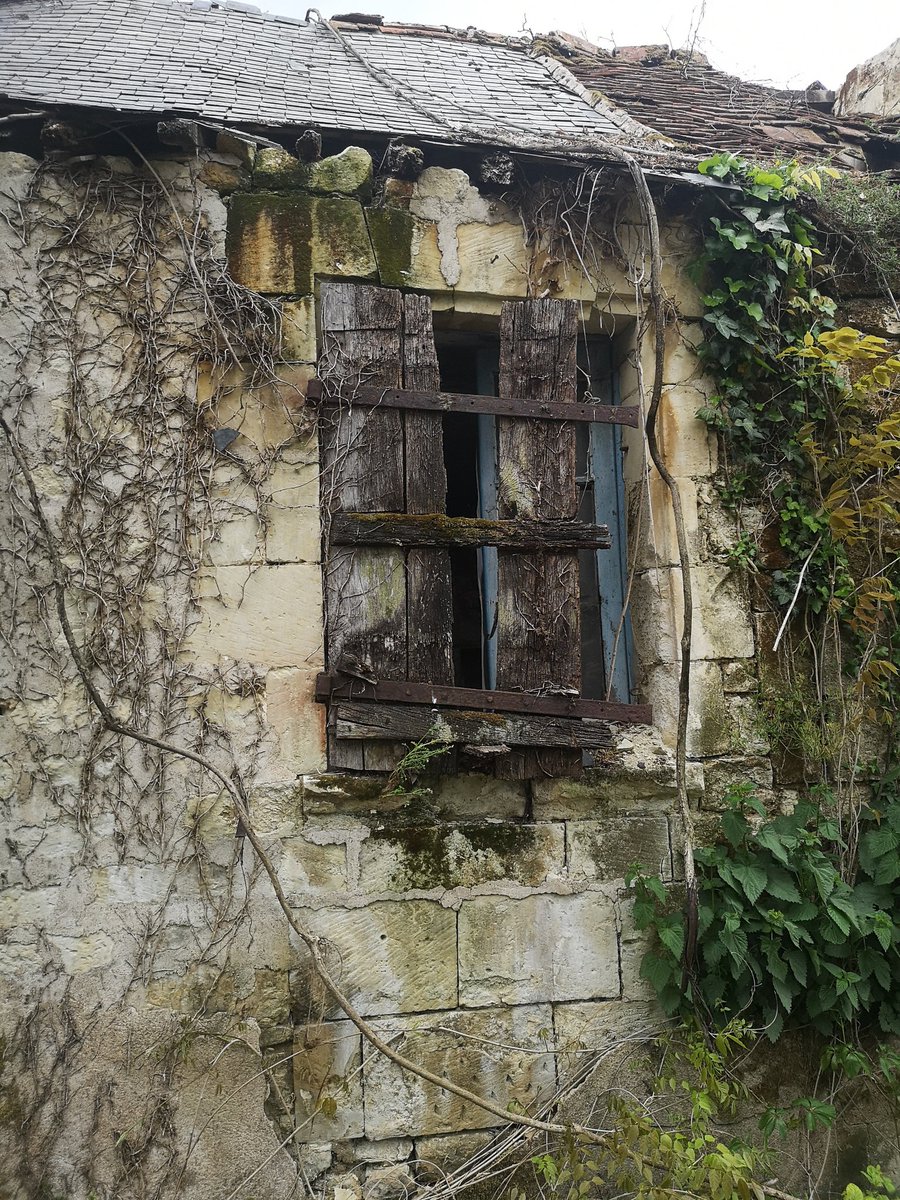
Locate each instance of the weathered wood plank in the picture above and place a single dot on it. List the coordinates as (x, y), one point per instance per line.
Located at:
(428, 400)
(408, 723)
(429, 595)
(362, 468)
(433, 529)
(406, 692)
(538, 628)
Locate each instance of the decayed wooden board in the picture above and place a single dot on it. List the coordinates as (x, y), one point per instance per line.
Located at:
(433, 529)
(429, 597)
(431, 694)
(408, 723)
(538, 629)
(362, 469)
(428, 400)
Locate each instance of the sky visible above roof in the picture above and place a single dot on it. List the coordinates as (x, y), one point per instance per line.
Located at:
(232, 63)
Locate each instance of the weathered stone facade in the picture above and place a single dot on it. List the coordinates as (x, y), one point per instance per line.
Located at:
(164, 1034)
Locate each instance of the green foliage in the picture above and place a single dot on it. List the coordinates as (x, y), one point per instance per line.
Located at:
(865, 211)
(781, 934)
(403, 780)
(879, 1186)
(808, 415)
(671, 1146)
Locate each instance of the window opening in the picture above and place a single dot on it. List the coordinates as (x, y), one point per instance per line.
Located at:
(470, 456)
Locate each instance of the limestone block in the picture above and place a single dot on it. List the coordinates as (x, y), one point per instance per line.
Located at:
(607, 849)
(723, 774)
(298, 330)
(264, 416)
(633, 946)
(324, 795)
(387, 1150)
(440, 1154)
(389, 1183)
(293, 517)
(223, 178)
(493, 260)
(346, 174)
(252, 614)
(652, 540)
(297, 720)
(749, 731)
(710, 730)
(279, 242)
(406, 249)
(496, 1052)
(89, 952)
(447, 856)
(686, 443)
(307, 865)
(471, 797)
(722, 624)
(328, 1092)
(541, 947)
(390, 957)
(27, 906)
(739, 677)
(620, 1033)
(639, 779)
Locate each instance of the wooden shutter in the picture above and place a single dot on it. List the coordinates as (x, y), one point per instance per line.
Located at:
(538, 625)
(388, 612)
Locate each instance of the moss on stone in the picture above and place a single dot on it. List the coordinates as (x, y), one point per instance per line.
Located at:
(392, 231)
(277, 242)
(346, 174)
(452, 855)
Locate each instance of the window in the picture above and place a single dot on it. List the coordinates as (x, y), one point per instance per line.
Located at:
(470, 576)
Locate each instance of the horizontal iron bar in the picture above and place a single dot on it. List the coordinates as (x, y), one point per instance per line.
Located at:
(434, 529)
(501, 406)
(341, 686)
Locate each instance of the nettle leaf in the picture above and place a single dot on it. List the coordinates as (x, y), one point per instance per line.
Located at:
(823, 873)
(785, 992)
(735, 827)
(672, 937)
(798, 964)
(752, 880)
(780, 885)
(769, 838)
(658, 972)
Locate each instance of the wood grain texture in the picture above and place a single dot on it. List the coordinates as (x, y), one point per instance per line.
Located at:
(408, 723)
(538, 631)
(429, 597)
(435, 401)
(434, 529)
(362, 469)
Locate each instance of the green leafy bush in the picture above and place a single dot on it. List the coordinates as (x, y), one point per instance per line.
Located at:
(781, 933)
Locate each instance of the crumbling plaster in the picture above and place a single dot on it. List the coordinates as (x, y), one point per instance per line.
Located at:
(455, 935)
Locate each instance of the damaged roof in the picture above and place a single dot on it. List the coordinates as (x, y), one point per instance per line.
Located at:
(705, 110)
(228, 62)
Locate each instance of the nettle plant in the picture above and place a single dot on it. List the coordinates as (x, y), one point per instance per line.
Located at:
(781, 932)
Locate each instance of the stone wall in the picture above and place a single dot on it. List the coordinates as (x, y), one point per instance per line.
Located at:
(164, 1035)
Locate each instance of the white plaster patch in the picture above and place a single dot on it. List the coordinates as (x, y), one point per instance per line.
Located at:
(447, 199)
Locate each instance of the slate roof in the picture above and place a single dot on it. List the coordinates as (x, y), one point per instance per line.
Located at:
(230, 63)
(704, 110)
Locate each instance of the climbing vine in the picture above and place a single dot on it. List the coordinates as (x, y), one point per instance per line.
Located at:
(798, 916)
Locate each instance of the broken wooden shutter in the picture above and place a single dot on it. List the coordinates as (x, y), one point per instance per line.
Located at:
(538, 623)
(389, 618)
(388, 611)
